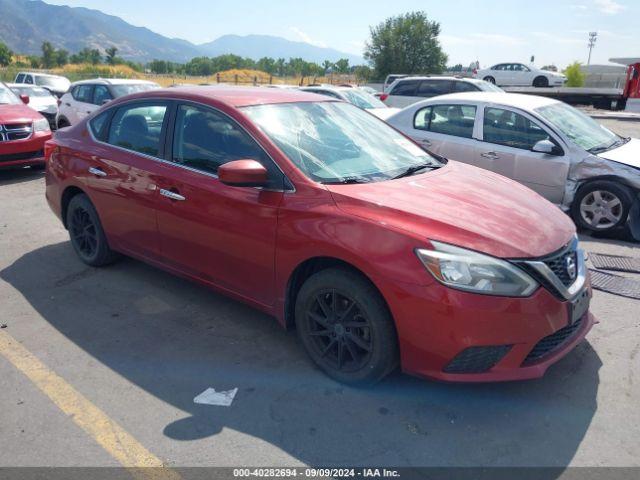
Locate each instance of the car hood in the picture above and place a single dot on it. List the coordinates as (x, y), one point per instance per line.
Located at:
(17, 114)
(465, 206)
(383, 113)
(628, 154)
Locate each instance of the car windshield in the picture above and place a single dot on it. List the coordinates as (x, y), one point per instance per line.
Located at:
(363, 99)
(31, 91)
(334, 142)
(488, 86)
(7, 97)
(128, 88)
(580, 128)
(57, 83)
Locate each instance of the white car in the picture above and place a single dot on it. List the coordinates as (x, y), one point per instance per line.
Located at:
(547, 145)
(40, 99)
(407, 90)
(357, 97)
(520, 75)
(54, 83)
(85, 97)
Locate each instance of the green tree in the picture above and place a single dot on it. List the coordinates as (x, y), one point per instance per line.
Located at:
(326, 65)
(363, 73)
(406, 44)
(575, 75)
(5, 55)
(111, 55)
(61, 57)
(342, 65)
(49, 59)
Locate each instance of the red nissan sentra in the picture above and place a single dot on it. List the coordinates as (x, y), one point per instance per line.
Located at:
(23, 131)
(323, 216)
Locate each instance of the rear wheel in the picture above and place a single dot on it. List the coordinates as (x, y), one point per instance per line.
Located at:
(86, 233)
(601, 206)
(63, 122)
(490, 80)
(541, 82)
(346, 328)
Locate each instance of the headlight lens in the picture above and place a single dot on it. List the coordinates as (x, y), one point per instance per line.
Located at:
(41, 125)
(474, 272)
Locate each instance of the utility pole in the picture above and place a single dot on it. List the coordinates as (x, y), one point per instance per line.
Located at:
(593, 36)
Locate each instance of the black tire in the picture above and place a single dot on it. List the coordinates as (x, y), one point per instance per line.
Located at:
(86, 233)
(490, 80)
(541, 82)
(62, 123)
(38, 166)
(358, 335)
(589, 199)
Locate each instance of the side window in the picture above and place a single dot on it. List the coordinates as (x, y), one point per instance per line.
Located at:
(431, 88)
(505, 127)
(464, 87)
(406, 88)
(20, 78)
(204, 139)
(28, 79)
(421, 119)
(498, 67)
(456, 120)
(101, 94)
(98, 124)
(83, 93)
(138, 128)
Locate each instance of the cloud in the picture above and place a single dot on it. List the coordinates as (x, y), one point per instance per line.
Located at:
(474, 38)
(557, 39)
(610, 7)
(306, 38)
(579, 7)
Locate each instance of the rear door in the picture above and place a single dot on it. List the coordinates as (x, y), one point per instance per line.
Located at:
(508, 137)
(220, 234)
(447, 130)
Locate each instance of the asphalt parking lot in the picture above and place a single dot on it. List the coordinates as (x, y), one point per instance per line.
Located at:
(138, 345)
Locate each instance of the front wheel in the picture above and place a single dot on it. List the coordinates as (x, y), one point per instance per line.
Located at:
(490, 80)
(346, 327)
(86, 233)
(602, 206)
(541, 82)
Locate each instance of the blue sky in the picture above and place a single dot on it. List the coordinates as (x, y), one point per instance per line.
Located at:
(491, 31)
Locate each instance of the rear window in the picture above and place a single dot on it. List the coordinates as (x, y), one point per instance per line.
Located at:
(464, 87)
(138, 128)
(455, 120)
(83, 93)
(431, 88)
(406, 88)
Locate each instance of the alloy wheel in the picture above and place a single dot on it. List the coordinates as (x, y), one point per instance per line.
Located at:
(339, 330)
(601, 209)
(84, 232)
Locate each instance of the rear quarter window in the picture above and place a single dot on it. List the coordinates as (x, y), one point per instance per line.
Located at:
(405, 88)
(98, 126)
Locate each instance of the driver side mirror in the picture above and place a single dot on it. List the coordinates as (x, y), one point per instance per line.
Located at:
(243, 173)
(25, 99)
(547, 147)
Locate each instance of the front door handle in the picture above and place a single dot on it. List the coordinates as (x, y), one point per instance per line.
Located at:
(425, 142)
(171, 195)
(97, 172)
(491, 155)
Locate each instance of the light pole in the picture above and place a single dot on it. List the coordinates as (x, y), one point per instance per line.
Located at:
(593, 36)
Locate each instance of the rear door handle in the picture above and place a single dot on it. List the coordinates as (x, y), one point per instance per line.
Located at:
(425, 142)
(171, 195)
(491, 155)
(97, 172)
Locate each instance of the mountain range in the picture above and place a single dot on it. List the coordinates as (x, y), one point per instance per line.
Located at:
(25, 24)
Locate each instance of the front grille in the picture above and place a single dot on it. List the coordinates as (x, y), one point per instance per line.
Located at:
(558, 264)
(21, 156)
(15, 131)
(477, 359)
(552, 342)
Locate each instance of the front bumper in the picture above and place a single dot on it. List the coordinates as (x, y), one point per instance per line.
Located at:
(24, 152)
(436, 324)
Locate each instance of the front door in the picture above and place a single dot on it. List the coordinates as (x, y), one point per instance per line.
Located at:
(220, 234)
(508, 140)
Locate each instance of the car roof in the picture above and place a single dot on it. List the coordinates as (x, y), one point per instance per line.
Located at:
(335, 88)
(114, 81)
(236, 96)
(40, 74)
(439, 77)
(517, 100)
(24, 85)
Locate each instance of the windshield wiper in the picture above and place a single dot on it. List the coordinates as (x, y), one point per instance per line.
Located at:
(616, 143)
(347, 181)
(415, 169)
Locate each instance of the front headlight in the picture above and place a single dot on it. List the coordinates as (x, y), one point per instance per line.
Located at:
(474, 272)
(41, 125)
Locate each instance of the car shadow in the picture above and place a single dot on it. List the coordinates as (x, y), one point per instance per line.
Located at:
(10, 176)
(174, 339)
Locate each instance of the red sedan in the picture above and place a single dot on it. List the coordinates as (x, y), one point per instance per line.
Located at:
(23, 131)
(323, 216)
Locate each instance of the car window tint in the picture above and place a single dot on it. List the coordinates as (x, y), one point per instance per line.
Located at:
(97, 125)
(28, 79)
(431, 88)
(421, 119)
(505, 127)
(456, 120)
(100, 95)
(406, 88)
(138, 128)
(83, 93)
(459, 86)
(204, 139)
(20, 78)
(326, 93)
